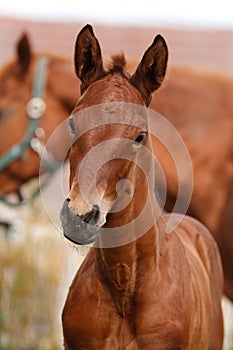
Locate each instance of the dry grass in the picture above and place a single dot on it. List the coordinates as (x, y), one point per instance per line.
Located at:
(36, 268)
(228, 324)
(33, 273)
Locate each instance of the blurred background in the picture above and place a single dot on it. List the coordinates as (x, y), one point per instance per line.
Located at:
(36, 264)
(197, 32)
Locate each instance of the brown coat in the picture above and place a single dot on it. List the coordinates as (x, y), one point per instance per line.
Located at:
(157, 291)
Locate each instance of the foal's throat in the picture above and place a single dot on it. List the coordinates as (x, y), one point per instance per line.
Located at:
(123, 269)
(117, 267)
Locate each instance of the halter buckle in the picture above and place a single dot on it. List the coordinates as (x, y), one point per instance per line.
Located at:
(35, 107)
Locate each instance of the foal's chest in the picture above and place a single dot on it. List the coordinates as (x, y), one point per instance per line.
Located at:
(91, 321)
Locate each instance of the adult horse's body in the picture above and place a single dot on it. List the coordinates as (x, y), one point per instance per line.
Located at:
(201, 108)
(153, 291)
(200, 105)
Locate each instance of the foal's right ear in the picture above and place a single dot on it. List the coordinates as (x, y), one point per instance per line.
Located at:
(87, 58)
(23, 51)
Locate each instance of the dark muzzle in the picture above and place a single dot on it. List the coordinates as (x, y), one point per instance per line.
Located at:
(79, 230)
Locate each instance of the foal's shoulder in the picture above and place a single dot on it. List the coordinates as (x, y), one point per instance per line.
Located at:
(196, 238)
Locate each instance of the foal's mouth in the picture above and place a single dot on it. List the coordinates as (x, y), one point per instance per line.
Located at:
(76, 229)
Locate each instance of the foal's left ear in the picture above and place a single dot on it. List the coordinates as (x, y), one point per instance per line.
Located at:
(88, 59)
(23, 53)
(152, 68)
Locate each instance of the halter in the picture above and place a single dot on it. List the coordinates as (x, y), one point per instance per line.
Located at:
(35, 109)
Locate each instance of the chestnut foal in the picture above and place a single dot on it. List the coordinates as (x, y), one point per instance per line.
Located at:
(152, 290)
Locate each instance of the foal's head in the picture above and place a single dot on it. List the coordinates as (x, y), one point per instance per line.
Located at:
(110, 150)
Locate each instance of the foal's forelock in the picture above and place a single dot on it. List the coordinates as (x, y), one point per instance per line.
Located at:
(118, 65)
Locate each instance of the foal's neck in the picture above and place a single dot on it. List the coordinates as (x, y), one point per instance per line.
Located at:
(129, 268)
(133, 258)
(124, 266)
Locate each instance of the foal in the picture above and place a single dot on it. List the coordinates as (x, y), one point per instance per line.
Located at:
(139, 287)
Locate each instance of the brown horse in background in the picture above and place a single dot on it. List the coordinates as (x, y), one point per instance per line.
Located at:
(16, 89)
(155, 290)
(198, 104)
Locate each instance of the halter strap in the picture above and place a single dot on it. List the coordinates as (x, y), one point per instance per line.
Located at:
(40, 76)
(35, 109)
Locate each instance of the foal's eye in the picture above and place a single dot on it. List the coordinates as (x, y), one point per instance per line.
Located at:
(139, 139)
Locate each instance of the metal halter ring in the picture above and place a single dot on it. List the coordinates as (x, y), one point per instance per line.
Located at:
(35, 107)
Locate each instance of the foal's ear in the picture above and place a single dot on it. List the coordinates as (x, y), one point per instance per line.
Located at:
(152, 68)
(23, 53)
(88, 59)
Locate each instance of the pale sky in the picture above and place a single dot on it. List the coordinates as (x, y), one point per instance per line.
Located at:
(198, 13)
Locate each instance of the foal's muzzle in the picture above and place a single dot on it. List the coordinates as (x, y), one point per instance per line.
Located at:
(80, 230)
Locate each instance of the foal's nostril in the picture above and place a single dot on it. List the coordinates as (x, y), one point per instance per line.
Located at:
(93, 216)
(96, 212)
